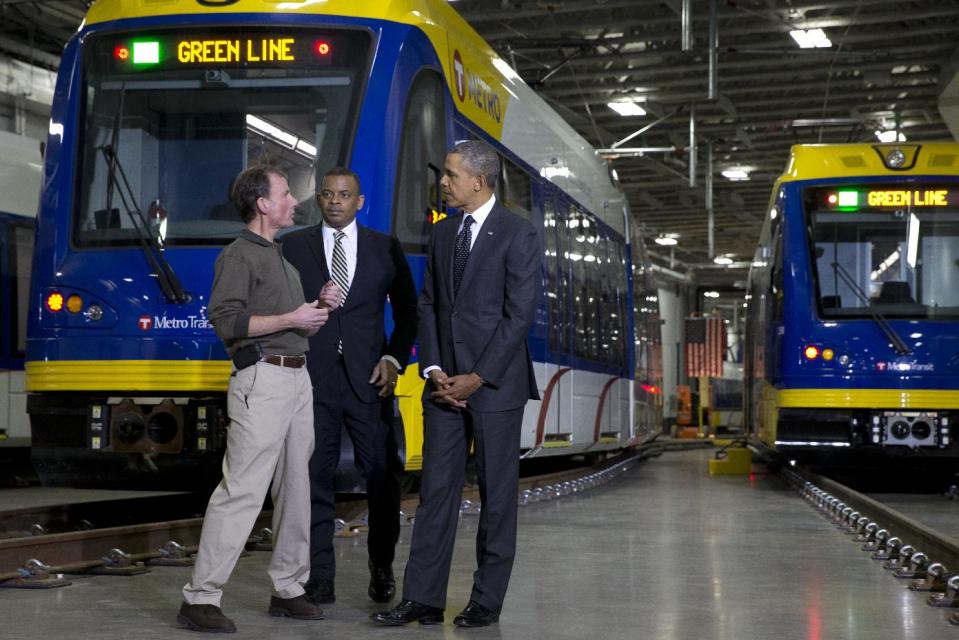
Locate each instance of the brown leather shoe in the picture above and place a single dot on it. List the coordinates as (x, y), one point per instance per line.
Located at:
(204, 617)
(298, 608)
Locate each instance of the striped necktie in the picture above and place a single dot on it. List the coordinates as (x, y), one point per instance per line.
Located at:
(340, 272)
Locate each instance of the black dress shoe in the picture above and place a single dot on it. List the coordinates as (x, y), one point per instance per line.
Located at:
(298, 608)
(382, 584)
(475, 615)
(408, 611)
(320, 591)
(204, 617)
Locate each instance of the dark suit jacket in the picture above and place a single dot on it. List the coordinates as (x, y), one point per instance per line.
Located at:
(381, 271)
(483, 330)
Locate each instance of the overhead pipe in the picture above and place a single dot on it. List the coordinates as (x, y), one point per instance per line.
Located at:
(687, 25)
(710, 211)
(713, 52)
(692, 146)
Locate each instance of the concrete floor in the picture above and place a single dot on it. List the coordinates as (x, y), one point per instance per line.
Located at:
(663, 552)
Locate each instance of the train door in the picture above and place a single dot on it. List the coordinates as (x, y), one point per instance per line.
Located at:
(417, 205)
(16, 255)
(555, 372)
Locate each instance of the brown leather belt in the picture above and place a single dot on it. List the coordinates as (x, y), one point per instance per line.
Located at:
(294, 362)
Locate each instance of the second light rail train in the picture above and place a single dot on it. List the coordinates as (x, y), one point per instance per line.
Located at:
(852, 355)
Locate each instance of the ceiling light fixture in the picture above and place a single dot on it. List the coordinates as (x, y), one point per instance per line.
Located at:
(724, 260)
(890, 136)
(627, 109)
(811, 38)
(736, 175)
(667, 240)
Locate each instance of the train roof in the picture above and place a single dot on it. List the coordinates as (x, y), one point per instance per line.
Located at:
(814, 161)
(483, 86)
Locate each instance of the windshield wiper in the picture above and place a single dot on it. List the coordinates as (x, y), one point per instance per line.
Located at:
(166, 276)
(897, 341)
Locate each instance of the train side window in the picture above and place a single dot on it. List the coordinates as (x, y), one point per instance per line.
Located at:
(420, 163)
(776, 279)
(616, 268)
(20, 242)
(577, 228)
(514, 189)
(553, 293)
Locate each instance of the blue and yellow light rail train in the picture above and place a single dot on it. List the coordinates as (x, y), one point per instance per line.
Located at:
(160, 104)
(853, 345)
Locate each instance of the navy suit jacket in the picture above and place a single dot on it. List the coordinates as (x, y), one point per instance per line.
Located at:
(381, 271)
(483, 329)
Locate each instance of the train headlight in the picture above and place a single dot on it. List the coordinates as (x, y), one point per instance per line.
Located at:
(94, 312)
(74, 304)
(55, 301)
(811, 352)
(828, 354)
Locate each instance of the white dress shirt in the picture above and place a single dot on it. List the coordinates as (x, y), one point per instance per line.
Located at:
(349, 249)
(479, 217)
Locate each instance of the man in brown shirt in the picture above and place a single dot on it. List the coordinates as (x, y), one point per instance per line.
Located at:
(258, 309)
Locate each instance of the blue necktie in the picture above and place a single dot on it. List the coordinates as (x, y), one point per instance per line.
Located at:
(462, 252)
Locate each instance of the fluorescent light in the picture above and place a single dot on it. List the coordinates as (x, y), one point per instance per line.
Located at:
(627, 108)
(305, 148)
(723, 260)
(811, 38)
(736, 175)
(711, 294)
(271, 131)
(667, 241)
(890, 136)
(912, 245)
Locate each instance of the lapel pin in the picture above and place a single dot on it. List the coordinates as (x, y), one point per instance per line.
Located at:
(489, 232)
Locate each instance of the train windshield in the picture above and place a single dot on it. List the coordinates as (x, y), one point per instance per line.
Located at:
(170, 118)
(887, 249)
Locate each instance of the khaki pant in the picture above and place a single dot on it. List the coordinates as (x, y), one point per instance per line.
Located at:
(270, 437)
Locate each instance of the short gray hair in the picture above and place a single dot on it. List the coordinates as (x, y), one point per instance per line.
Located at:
(481, 159)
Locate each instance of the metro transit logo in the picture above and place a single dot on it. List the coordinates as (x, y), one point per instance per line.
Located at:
(147, 322)
(459, 75)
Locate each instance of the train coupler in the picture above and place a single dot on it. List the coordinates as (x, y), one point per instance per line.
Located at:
(936, 579)
(35, 575)
(950, 598)
(118, 563)
(173, 554)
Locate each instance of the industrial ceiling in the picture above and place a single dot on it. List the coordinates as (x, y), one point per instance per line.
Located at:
(746, 98)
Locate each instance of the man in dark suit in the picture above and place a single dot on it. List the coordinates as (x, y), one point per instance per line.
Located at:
(475, 310)
(354, 370)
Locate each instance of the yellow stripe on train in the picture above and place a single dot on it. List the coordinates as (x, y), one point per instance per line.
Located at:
(478, 79)
(932, 399)
(128, 375)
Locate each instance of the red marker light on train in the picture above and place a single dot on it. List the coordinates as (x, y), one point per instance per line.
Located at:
(55, 301)
(121, 52)
(811, 352)
(322, 48)
(832, 199)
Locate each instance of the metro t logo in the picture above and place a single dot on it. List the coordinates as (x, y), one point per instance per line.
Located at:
(459, 75)
(146, 323)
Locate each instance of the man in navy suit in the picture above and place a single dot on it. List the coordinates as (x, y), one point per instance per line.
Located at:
(354, 369)
(475, 310)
